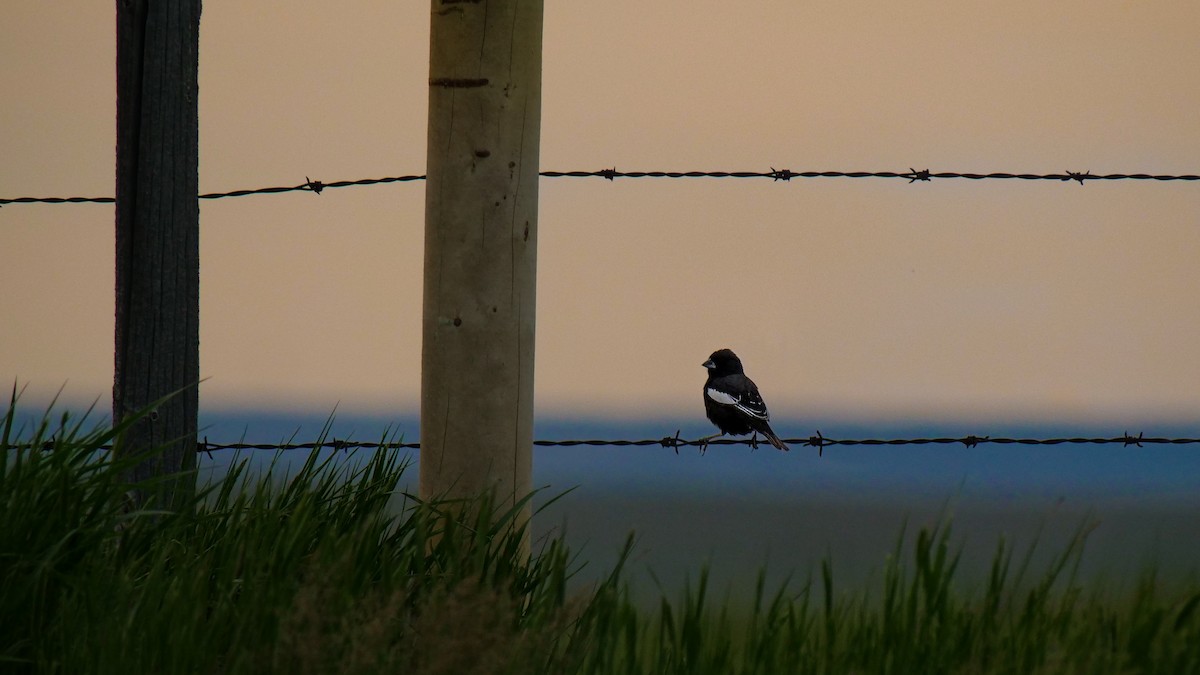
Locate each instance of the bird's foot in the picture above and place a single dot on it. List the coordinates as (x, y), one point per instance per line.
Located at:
(703, 442)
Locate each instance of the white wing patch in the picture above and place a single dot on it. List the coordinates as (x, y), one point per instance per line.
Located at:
(754, 409)
(720, 397)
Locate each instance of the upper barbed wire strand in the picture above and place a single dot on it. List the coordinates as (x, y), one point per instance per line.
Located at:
(785, 175)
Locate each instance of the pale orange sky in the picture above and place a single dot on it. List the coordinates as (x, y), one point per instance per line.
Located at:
(990, 299)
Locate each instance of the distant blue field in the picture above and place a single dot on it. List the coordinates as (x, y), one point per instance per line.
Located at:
(735, 509)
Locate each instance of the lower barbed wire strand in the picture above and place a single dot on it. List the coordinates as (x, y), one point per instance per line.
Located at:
(674, 441)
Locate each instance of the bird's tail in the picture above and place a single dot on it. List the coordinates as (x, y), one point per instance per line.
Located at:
(775, 439)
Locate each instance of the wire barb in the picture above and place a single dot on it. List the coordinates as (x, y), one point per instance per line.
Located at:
(781, 174)
(818, 441)
(672, 441)
(1130, 440)
(1076, 176)
(914, 175)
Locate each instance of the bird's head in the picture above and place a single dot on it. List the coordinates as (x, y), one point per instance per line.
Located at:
(723, 362)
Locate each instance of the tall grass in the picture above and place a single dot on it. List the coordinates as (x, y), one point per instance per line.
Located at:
(330, 571)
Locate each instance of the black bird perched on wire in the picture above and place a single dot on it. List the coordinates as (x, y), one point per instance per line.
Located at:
(733, 403)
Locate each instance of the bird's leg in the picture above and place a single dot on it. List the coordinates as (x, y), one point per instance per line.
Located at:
(704, 441)
(753, 440)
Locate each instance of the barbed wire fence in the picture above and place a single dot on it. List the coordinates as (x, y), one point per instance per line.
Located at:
(675, 442)
(776, 175)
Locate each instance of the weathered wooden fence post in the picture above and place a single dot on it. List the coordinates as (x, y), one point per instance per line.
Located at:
(481, 200)
(157, 239)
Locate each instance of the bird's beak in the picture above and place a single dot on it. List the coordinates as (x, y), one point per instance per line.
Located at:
(709, 364)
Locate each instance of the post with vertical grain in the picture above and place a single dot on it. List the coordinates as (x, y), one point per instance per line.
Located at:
(481, 200)
(157, 331)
